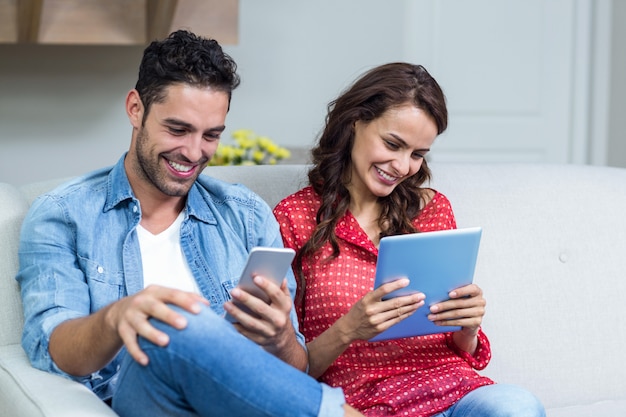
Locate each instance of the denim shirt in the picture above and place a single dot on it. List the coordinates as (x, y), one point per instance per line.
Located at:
(79, 252)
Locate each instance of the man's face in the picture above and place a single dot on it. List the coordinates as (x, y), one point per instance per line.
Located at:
(179, 136)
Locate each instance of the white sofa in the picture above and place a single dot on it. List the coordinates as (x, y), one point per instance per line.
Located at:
(552, 264)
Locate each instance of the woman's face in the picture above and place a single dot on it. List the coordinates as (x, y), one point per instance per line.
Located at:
(389, 149)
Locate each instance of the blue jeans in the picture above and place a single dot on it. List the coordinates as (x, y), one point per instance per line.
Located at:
(209, 369)
(499, 400)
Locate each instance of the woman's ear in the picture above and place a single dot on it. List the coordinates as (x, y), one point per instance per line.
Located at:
(134, 108)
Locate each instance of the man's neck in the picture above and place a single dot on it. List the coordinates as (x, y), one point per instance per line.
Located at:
(156, 216)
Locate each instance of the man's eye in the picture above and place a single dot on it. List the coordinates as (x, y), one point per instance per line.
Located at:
(177, 132)
(212, 136)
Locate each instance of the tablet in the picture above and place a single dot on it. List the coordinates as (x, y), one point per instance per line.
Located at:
(435, 263)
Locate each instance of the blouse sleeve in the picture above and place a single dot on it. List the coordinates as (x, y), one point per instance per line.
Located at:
(287, 230)
(481, 357)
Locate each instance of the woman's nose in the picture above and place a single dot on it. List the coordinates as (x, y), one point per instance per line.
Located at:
(402, 165)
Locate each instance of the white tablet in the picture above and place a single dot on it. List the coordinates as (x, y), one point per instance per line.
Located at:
(435, 263)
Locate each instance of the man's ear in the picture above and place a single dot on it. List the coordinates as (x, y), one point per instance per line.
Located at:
(134, 108)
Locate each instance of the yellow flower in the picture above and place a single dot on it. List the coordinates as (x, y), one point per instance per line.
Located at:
(249, 149)
(242, 134)
(258, 156)
(283, 153)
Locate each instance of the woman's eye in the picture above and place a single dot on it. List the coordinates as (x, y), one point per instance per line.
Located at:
(417, 155)
(391, 145)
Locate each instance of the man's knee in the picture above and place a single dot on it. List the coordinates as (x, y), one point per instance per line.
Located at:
(205, 328)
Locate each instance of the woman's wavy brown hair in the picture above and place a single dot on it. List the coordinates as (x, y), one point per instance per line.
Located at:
(375, 92)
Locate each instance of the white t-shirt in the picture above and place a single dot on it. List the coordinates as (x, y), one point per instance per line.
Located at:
(163, 260)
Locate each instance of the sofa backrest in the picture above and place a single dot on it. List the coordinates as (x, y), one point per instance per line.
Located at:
(13, 207)
(267, 181)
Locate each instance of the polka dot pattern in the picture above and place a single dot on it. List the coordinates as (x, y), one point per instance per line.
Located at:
(418, 376)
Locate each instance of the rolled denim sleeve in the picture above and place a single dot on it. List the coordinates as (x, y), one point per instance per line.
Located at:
(53, 288)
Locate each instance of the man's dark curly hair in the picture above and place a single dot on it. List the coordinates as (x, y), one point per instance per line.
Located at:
(184, 57)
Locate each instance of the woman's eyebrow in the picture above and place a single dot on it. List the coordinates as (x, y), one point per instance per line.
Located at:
(406, 145)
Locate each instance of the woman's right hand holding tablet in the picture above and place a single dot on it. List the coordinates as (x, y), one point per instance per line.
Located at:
(372, 315)
(367, 318)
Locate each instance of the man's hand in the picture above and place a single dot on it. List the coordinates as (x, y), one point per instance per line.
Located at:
(268, 325)
(85, 345)
(129, 316)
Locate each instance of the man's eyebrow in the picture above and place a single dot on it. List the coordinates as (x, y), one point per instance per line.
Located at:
(406, 145)
(176, 122)
(189, 126)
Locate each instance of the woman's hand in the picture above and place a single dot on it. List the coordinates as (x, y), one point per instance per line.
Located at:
(466, 308)
(367, 318)
(372, 315)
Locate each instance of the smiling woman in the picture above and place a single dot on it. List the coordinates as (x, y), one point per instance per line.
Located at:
(367, 182)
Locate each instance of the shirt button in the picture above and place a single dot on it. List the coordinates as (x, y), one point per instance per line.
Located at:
(100, 269)
(134, 209)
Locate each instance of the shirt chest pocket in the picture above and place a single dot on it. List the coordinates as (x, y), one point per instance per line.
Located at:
(106, 283)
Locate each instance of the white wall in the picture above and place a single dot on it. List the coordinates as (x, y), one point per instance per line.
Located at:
(616, 156)
(295, 56)
(61, 107)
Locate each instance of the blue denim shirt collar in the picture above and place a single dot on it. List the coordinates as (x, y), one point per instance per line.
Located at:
(119, 190)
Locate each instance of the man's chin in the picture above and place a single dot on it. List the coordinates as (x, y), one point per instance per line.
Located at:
(177, 189)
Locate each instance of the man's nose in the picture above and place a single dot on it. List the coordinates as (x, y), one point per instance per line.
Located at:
(193, 147)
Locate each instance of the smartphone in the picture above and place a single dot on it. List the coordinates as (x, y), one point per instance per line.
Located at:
(270, 263)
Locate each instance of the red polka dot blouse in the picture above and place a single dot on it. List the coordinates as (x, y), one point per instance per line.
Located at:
(417, 376)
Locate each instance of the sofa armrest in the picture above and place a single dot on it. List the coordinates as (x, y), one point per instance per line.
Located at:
(29, 392)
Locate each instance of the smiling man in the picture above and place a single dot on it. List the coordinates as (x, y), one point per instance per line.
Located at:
(122, 271)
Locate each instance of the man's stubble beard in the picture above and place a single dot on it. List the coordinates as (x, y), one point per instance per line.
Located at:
(151, 171)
